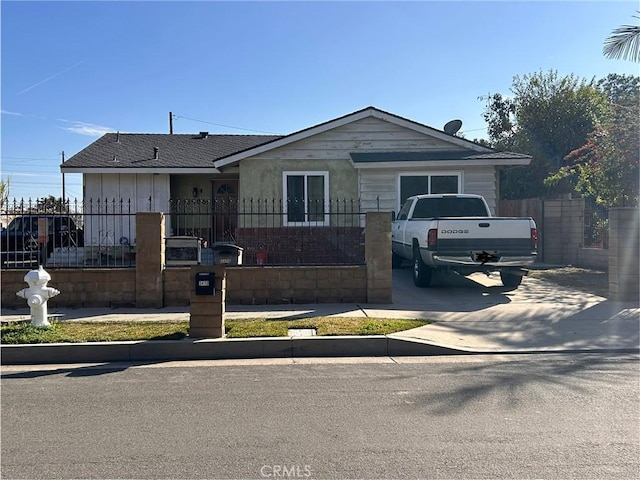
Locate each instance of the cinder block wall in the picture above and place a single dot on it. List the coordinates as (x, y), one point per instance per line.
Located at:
(330, 284)
(624, 254)
(206, 311)
(152, 285)
(277, 285)
(564, 238)
(596, 258)
(564, 227)
(552, 223)
(149, 259)
(114, 287)
(177, 286)
(377, 252)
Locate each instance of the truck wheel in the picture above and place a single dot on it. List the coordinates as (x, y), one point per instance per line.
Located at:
(421, 273)
(510, 280)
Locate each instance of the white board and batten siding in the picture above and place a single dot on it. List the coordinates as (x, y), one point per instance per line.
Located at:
(147, 193)
(482, 181)
(380, 188)
(377, 186)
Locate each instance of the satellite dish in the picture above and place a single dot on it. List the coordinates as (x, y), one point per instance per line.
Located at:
(452, 127)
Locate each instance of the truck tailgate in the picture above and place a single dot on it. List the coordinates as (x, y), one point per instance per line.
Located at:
(505, 235)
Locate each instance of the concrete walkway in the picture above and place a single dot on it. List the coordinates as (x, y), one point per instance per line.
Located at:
(472, 315)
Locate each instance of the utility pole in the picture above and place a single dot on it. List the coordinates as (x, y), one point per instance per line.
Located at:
(63, 189)
(171, 123)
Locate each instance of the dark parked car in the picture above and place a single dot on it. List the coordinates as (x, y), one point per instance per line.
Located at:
(19, 241)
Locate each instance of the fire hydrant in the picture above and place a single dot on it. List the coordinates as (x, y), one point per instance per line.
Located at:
(37, 295)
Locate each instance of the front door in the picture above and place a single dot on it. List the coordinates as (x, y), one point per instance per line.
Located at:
(225, 210)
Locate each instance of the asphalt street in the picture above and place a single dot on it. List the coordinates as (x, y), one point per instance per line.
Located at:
(552, 416)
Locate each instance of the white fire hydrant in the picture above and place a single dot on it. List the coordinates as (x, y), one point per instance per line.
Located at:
(37, 295)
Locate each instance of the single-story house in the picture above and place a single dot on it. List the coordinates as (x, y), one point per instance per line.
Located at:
(373, 156)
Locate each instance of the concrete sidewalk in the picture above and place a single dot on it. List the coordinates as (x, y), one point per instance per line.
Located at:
(474, 315)
(606, 327)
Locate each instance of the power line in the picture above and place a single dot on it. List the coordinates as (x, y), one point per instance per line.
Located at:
(29, 158)
(22, 168)
(222, 125)
(23, 173)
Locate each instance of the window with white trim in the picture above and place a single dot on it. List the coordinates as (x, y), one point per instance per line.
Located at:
(418, 183)
(306, 195)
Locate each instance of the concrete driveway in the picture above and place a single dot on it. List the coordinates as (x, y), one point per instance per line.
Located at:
(478, 313)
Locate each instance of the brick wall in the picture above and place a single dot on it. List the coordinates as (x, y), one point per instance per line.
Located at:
(596, 258)
(150, 252)
(263, 285)
(303, 245)
(378, 258)
(245, 285)
(624, 254)
(564, 230)
(151, 285)
(177, 285)
(277, 285)
(563, 238)
(112, 287)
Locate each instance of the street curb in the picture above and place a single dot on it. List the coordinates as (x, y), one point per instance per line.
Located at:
(218, 349)
(250, 348)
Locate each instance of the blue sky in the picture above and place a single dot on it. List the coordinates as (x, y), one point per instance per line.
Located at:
(74, 70)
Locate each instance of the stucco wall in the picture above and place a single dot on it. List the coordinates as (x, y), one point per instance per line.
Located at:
(263, 178)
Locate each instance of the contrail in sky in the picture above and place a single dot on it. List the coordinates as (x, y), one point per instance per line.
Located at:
(49, 78)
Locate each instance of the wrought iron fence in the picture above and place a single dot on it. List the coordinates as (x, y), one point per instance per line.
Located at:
(273, 232)
(67, 234)
(596, 225)
(102, 233)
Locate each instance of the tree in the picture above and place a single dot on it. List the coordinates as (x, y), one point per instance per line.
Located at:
(4, 193)
(623, 42)
(606, 166)
(52, 204)
(547, 117)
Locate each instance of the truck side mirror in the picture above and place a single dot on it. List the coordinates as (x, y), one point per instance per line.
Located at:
(393, 215)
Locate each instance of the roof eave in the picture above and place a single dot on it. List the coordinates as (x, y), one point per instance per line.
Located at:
(441, 163)
(156, 170)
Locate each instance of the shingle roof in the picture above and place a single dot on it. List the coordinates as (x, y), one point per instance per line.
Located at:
(137, 150)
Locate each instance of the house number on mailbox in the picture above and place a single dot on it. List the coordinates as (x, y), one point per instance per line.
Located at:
(205, 283)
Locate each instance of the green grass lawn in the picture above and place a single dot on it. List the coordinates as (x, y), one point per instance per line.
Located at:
(75, 332)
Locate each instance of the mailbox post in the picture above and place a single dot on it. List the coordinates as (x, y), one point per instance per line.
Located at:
(207, 301)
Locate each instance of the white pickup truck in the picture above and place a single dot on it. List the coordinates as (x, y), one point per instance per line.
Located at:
(457, 232)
